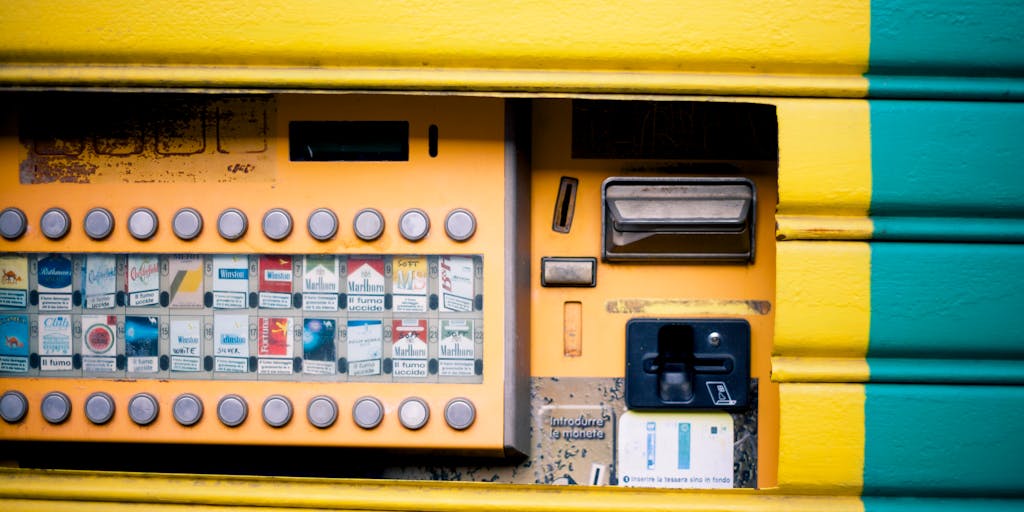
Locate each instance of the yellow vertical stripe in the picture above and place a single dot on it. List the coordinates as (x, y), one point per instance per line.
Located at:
(821, 438)
(824, 169)
(823, 299)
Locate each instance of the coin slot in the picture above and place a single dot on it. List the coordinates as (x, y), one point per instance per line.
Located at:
(432, 140)
(565, 205)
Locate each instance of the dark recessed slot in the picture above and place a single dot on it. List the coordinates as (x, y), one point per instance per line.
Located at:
(674, 130)
(432, 140)
(565, 205)
(348, 141)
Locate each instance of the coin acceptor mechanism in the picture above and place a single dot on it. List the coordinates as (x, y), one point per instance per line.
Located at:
(578, 291)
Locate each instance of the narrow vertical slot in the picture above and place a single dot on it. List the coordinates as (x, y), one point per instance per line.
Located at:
(432, 140)
(572, 329)
(565, 205)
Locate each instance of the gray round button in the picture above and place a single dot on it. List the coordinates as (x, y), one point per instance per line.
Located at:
(413, 413)
(99, 408)
(322, 412)
(232, 410)
(143, 409)
(368, 412)
(277, 224)
(460, 225)
(188, 409)
(277, 411)
(12, 223)
(414, 224)
(56, 407)
(187, 224)
(232, 224)
(322, 224)
(99, 222)
(459, 413)
(142, 223)
(13, 406)
(55, 223)
(368, 224)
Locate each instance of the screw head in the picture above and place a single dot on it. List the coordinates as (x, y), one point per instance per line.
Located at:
(715, 339)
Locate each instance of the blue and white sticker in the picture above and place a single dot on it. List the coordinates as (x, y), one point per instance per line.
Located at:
(676, 450)
(14, 348)
(365, 346)
(231, 343)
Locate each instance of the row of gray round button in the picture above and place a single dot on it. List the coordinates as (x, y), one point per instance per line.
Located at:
(187, 224)
(232, 410)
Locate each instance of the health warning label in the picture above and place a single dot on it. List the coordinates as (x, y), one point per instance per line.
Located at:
(365, 285)
(456, 283)
(409, 284)
(320, 283)
(275, 282)
(409, 349)
(53, 277)
(142, 280)
(676, 450)
(230, 281)
(99, 279)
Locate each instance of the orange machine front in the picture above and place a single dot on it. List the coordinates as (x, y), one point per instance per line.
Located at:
(207, 254)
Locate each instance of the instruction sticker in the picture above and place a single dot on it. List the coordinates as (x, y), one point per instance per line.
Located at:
(55, 345)
(320, 283)
(142, 343)
(142, 280)
(99, 278)
(274, 347)
(409, 284)
(53, 277)
(676, 450)
(231, 343)
(365, 285)
(230, 281)
(455, 277)
(409, 348)
(365, 341)
(14, 349)
(275, 281)
(186, 280)
(186, 345)
(318, 346)
(99, 343)
(13, 282)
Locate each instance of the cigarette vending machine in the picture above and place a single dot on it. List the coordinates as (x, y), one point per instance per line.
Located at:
(458, 288)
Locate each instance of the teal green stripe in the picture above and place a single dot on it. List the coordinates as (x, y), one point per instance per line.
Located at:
(947, 37)
(948, 88)
(935, 300)
(948, 229)
(947, 159)
(948, 371)
(875, 504)
(928, 440)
